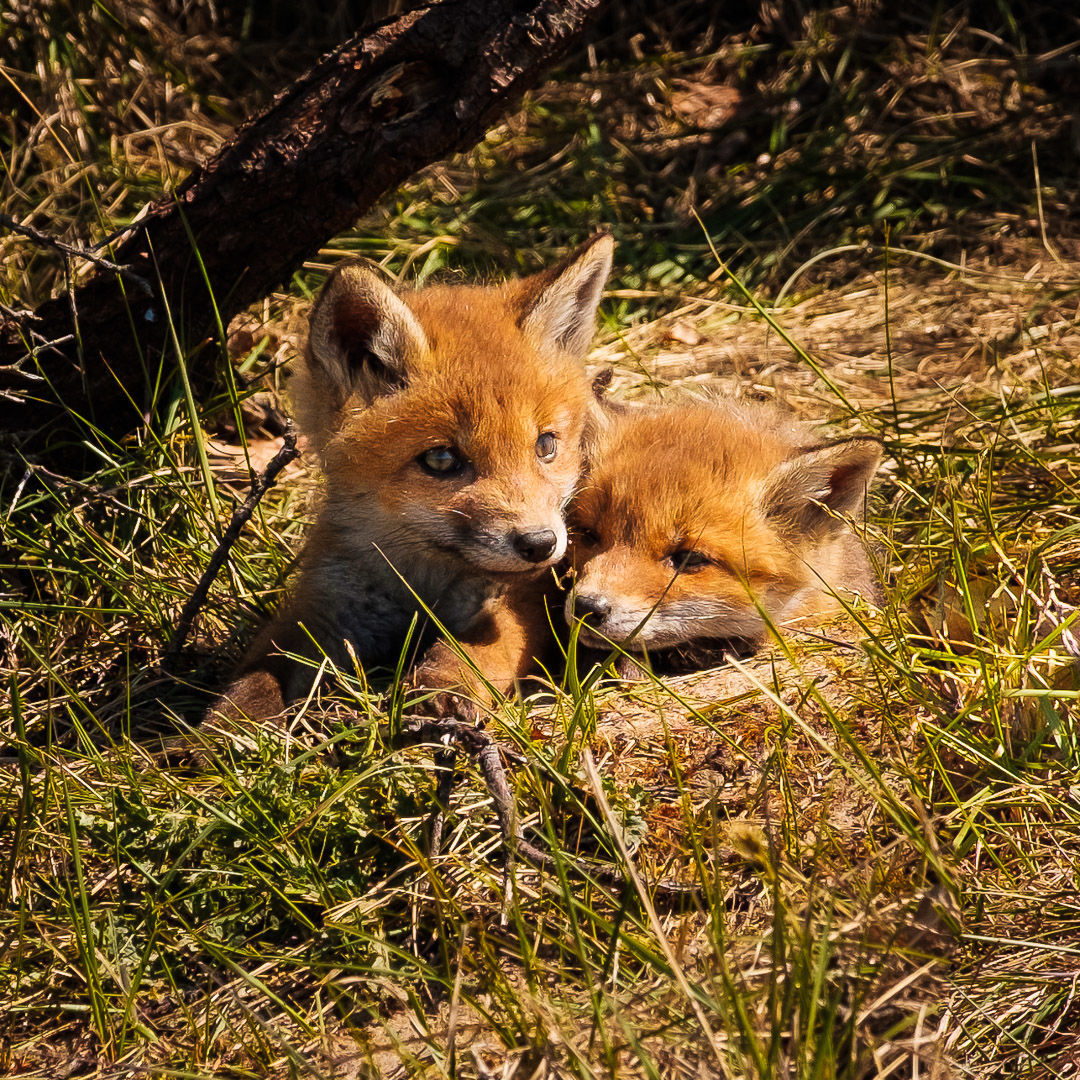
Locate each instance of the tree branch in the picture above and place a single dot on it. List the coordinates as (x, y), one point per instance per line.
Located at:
(363, 120)
(70, 251)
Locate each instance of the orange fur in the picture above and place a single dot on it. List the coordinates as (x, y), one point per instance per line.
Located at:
(488, 382)
(703, 521)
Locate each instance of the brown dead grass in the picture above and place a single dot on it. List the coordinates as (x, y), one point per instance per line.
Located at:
(939, 334)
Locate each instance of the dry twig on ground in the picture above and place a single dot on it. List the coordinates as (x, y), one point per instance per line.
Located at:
(489, 756)
(241, 515)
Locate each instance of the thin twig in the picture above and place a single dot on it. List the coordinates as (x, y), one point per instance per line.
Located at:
(16, 314)
(489, 756)
(69, 286)
(70, 251)
(57, 483)
(447, 761)
(259, 487)
(23, 320)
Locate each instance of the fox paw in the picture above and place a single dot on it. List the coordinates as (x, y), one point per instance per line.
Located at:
(447, 705)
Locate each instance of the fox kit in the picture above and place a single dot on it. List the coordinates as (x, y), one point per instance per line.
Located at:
(699, 519)
(450, 422)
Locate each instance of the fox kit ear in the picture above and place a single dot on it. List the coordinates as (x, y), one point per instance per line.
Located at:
(363, 338)
(557, 307)
(808, 493)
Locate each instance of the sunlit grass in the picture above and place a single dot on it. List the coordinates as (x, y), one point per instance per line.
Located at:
(883, 826)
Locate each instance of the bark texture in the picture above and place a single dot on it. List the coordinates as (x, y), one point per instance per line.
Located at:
(359, 123)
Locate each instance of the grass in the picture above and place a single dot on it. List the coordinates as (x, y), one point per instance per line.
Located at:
(884, 822)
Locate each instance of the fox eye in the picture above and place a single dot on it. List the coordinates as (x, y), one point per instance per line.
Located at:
(687, 561)
(588, 537)
(441, 461)
(546, 446)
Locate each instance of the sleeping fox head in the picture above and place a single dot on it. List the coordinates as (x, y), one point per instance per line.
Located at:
(703, 521)
(451, 419)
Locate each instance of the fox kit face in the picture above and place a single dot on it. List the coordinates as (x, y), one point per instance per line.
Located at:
(696, 518)
(451, 419)
(450, 422)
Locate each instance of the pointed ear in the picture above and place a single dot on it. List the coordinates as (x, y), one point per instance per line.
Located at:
(809, 493)
(363, 338)
(557, 307)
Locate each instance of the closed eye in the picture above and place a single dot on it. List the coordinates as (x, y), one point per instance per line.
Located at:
(587, 537)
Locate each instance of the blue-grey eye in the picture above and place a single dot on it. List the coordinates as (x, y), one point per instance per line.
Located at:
(441, 461)
(547, 446)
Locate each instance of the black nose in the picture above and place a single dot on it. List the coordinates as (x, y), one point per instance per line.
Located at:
(585, 605)
(536, 546)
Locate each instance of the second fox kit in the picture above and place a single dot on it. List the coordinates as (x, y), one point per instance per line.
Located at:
(450, 422)
(702, 521)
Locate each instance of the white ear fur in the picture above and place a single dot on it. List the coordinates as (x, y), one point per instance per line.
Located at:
(363, 338)
(809, 492)
(562, 314)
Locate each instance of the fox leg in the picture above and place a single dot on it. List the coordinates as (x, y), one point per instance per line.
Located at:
(504, 643)
(266, 679)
